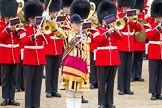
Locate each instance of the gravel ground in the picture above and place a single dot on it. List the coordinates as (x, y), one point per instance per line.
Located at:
(141, 98)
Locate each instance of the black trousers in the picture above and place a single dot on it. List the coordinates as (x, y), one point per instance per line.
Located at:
(52, 73)
(106, 76)
(124, 71)
(93, 70)
(8, 76)
(137, 65)
(155, 76)
(33, 81)
(19, 76)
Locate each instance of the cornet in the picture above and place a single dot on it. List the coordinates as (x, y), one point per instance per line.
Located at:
(119, 24)
(134, 19)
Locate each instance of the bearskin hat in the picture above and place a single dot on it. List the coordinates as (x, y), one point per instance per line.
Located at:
(139, 5)
(80, 7)
(106, 8)
(54, 6)
(96, 2)
(66, 3)
(156, 8)
(9, 8)
(32, 9)
(126, 3)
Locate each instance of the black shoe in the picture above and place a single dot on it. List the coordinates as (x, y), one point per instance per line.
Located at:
(92, 86)
(56, 94)
(96, 85)
(102, 106)
(153, 96)
(121, 92)
(110, 106)
(43, 76)
(4, 102)
(159, 97)
(129, 92)
(13, 102)
(22, 89)
(48, 95)
(17, 90)
(140, 79)
(83, 100)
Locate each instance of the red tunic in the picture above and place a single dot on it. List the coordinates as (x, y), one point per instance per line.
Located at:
(54, 46)
(33, 50)
(93, 45)
(107, 52)
(126, 43)
(10, 52)
(155, 46)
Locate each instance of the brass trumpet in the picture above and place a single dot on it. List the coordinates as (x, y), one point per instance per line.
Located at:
(119, 24)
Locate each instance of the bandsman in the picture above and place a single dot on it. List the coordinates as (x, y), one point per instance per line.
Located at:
(126, 47)
(155, 51)
(9, 57)
(34, 60)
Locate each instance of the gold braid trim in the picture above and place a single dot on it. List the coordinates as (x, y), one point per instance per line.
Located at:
(59, 33)
(76, 72)
(72, 78)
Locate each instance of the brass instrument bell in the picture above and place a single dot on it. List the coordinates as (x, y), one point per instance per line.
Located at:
(20, 12)
(119, 24)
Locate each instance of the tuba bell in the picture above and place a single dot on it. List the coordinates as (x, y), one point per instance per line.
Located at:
(92, 11)
(119, 24)
(20, 12)
(91, 15)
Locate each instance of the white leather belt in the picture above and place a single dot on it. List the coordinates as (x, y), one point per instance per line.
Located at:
(0, 45)
(10, 45)
(126, 33)
(103, 48)
(155, 42)
(54, 37)
(107, 47)
(33, 47)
